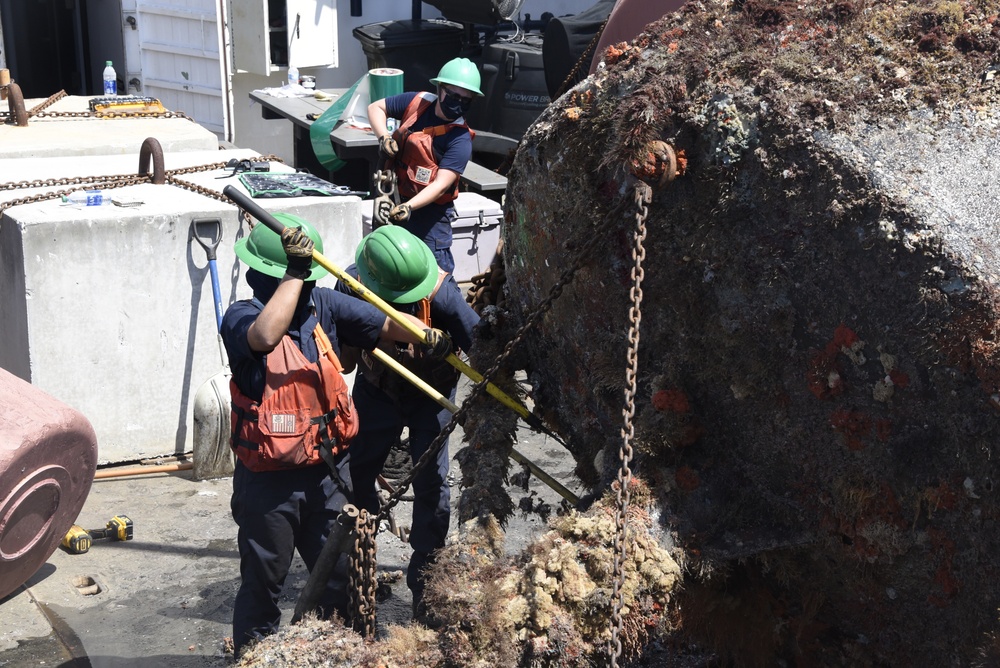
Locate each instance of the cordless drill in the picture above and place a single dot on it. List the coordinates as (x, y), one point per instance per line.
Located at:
(78, 540)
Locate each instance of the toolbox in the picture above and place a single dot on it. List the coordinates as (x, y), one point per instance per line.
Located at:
(475, 230)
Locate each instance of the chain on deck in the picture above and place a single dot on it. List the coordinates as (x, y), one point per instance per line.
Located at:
(119, 181)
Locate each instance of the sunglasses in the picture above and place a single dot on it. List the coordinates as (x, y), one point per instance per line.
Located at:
(455, 95)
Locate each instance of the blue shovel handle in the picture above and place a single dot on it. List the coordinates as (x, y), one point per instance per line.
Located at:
(210, 247)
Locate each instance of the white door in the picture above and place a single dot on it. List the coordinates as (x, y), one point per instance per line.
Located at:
(172, 54)
(266, 34)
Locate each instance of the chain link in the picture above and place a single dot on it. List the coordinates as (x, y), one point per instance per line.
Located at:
(111, 115)
(37, 108)
(363, 574)
(50, 101)
(643, 196)
(120, 181)
(583, 250)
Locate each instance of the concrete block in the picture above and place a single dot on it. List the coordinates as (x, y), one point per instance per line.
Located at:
(65, 136)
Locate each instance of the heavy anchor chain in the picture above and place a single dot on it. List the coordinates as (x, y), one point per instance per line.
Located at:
(38, 112)
(120, 181)
(643, 196)
(582, 251)
(363, 574)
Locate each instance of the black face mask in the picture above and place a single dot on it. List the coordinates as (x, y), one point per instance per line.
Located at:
(453, 106)
(263, 287)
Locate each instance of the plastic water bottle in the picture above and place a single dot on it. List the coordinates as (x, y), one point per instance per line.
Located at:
(110, 79)
(87, 198)
(293, 75)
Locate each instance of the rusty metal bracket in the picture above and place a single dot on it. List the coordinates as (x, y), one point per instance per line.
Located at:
(151, 149)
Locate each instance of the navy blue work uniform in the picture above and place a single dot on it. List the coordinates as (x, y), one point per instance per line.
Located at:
(281, 511)
(452, 151)
(386, 403)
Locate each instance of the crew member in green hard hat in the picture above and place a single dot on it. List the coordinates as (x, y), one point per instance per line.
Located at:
(428, 152)
(400, 269)
(292, 417)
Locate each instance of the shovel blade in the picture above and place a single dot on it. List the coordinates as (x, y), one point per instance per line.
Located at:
(213, 458)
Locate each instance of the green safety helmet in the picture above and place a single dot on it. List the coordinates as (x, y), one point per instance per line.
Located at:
(459, 72)
(396, 266)
(262, 249)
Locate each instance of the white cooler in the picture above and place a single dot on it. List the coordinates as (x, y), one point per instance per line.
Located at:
(475, 230)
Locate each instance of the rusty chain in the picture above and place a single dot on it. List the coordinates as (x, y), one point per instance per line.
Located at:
(111, 115)
(120, 181)
(593, 238)
(362, 574)
(38, 112)
(44, 105)
(37, 108)
(583, 250)
(643, 196)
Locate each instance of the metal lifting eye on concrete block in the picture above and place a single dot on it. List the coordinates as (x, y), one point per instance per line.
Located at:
(151, 149)
(15, 101)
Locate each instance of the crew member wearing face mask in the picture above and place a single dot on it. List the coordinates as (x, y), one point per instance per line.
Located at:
(428, 152)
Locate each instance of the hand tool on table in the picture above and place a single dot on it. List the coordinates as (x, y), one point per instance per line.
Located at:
(258, 212)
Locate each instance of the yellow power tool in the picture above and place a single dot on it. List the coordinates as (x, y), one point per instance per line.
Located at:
(78, 540)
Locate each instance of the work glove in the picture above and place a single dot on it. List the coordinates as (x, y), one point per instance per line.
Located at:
(299, 251)
(437, 345)
(400, 213)
(388, 147)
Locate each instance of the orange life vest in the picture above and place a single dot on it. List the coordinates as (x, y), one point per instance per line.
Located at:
(415, 165)
(305, 408)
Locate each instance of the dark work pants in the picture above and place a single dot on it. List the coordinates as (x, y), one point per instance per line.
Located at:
(434, 228)
(277, 513)
(445, 259)
(382, 421)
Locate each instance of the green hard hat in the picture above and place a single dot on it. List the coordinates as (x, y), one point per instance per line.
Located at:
(459, 72)
(262, 249)
(396, 266)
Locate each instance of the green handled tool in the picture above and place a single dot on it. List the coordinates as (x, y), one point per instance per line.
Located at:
(258, 212)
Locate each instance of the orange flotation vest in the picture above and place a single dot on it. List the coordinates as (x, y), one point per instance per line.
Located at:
(306, 408)
(415, 165)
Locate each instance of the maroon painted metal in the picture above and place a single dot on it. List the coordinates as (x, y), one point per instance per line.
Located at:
(48, 457)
